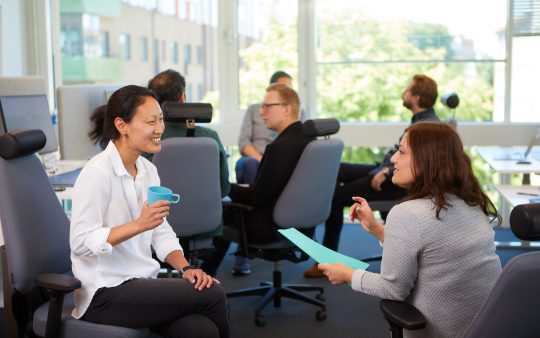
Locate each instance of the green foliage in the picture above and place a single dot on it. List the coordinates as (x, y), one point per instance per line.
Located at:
(363, 67)
(276, 50)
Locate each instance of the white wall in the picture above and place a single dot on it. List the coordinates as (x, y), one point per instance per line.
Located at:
(13, 51)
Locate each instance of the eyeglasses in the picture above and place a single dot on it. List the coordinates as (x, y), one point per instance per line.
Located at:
(265, 106)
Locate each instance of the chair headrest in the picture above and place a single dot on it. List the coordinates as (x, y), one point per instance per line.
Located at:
(21, 142)
(525, 221)
(320, 127)
(180, 112)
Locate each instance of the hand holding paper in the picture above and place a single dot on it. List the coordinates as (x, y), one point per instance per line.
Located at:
(320, 253)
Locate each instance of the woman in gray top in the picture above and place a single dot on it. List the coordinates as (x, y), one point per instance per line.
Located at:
(438, 251)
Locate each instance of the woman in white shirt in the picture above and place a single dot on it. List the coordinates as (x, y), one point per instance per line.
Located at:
(113, 231)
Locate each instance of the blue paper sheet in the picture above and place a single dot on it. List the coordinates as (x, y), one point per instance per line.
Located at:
(320, 253)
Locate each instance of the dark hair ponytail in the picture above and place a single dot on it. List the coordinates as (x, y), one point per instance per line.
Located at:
(96, 134)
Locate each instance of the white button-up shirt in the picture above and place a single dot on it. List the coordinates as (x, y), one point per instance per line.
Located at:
(106, 195)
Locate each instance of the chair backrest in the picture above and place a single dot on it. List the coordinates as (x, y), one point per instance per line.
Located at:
(190, 167)
(307, 198)
(34, 225)
(511, 309)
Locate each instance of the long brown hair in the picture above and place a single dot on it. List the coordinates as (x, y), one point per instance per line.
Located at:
(440, 167)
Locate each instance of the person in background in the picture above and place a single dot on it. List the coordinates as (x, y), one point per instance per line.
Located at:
(439, 253)
(374, 181)
(170, 85)
(252, 141)
(280, 111)
(113, 231)
(255, 136)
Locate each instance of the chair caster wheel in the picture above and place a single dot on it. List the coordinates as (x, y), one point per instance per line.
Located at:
(320, 296)
(320, 315)
(259, 321)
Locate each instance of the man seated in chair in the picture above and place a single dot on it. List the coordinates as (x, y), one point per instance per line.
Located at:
(280, 111)
(374, 181)
(170, 85)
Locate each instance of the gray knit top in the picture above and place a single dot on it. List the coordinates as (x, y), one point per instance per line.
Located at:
(446, 268)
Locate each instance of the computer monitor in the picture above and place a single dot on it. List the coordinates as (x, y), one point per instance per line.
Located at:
(520, 158)
(28, 112)
(75, 106)
(533, 142)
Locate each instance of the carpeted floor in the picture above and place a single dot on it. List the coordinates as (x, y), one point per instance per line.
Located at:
(349, 314)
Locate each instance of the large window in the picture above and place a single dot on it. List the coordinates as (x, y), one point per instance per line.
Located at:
(148, 36)
(525, 55)
(367, 51)
(267, 41)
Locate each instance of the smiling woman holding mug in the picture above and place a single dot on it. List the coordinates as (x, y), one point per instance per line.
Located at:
(113, 231)
(438, 250)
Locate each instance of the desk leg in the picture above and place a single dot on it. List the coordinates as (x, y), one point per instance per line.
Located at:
(504, 207)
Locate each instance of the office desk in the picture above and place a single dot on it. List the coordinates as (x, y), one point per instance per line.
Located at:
(493, 155)
(64, 196)
(518, 194)
(515, 195)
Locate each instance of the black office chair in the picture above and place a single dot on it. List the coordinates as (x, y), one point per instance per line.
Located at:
(304, 203)
(511, 307)
(38, 279)
(190, 167)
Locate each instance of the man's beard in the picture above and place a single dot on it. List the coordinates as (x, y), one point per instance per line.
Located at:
(407, 105)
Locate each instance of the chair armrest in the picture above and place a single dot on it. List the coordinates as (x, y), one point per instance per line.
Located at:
(240, 235)
(403, 314)
(57, 282)
(56, 285)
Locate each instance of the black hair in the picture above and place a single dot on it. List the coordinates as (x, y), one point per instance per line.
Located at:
(96, 134)
(168, 85)
(123, 103)
(278, 75)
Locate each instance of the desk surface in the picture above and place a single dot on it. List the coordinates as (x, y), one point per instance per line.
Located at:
(492, 156)
(518, 194)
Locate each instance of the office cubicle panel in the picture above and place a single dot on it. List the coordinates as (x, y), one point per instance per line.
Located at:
(75, 105)
(24, 105)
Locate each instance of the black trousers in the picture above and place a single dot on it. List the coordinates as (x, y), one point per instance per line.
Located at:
(170, 307)
(354, 180)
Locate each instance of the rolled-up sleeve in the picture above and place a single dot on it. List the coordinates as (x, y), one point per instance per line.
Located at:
(164, 240)
(246, 130)
(88, 235)
(399, 266)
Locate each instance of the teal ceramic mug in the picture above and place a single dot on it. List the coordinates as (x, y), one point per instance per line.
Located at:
(156, 193)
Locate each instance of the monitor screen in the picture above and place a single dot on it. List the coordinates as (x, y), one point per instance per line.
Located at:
(29, 112)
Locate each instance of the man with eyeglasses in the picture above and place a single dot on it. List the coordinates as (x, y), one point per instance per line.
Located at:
(280, 112)
(255, 136)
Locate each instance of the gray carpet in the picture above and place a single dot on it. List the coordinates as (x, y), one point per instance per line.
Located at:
(349, 313)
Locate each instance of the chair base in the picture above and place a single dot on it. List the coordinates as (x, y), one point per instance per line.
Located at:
(275, 291)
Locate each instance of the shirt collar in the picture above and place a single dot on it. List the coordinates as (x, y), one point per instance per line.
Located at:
(118, 165)
(428, 114)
